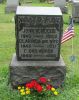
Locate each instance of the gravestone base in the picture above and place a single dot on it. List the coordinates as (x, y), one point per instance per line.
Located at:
(64, 9)
(22, 72)
(9, 9)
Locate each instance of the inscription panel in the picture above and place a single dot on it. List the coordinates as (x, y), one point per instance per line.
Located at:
(38, 37)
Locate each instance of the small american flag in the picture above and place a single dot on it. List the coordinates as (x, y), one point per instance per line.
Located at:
(69, 32)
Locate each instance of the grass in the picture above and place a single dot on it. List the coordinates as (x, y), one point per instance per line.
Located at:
(70, 91)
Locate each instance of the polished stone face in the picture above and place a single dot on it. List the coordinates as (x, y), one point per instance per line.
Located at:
(38, 36)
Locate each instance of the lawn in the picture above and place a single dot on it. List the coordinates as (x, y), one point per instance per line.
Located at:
(70, 89)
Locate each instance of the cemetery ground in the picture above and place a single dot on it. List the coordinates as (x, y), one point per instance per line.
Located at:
(70, 89)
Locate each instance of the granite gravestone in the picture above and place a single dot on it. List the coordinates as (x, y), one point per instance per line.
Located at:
(11, 5)
(38, 36)
(75, 10)
(0, 1)
(38, 40)
(61, 4)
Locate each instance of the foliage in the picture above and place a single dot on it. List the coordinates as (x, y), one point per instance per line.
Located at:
(40, 85)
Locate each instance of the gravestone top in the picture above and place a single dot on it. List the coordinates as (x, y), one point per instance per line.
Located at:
(38, 11)
(38, 33)
(76, 2)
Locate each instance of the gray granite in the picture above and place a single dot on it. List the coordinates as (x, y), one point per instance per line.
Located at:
(75, 10)
(38, 33)
(15, 62)
(0, 1)
(24, 71)
(62, 5)
(38, 42)
(11, 6)
(21, 10)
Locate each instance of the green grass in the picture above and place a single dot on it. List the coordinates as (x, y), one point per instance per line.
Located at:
(70, 91)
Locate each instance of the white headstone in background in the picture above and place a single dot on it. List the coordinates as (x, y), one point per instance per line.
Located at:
(75, 10)
(11, 5)
(61, 4)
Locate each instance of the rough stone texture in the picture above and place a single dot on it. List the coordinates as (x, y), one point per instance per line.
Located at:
(24, 71)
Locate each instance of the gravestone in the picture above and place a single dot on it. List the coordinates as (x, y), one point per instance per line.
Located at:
(35, 40)
(38, 42)
(62, 5)
(11, 6)
(75, 10)
(0, 1)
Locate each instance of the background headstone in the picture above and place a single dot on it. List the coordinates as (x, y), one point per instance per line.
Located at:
(61, 4)
(38, 41)
(75, 10)
(0, 1)
(11, 5)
